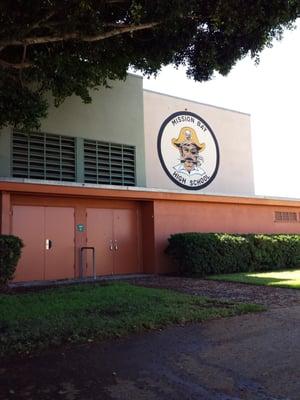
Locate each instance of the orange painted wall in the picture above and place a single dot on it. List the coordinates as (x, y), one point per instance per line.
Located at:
(148, 238)
(175, 217)
(161, 214)
(5, 220)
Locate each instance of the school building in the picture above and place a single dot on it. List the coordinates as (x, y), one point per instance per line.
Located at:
(102, 186)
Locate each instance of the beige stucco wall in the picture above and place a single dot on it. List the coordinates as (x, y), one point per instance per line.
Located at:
(113, 115)
(233, 134)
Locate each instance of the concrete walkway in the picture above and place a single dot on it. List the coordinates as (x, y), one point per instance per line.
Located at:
(253, 357)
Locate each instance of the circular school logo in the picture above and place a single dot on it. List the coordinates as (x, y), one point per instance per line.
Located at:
(188, 150)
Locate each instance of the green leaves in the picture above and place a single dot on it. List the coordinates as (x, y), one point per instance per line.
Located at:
(70, 47)
(10, 252)
(203, 254)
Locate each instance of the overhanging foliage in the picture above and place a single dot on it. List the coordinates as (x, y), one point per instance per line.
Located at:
(70, 46)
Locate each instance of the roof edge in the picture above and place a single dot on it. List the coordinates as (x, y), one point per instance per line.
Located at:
(196, 102)
(16, 185)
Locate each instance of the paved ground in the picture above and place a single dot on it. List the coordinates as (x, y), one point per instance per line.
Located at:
(252, 357)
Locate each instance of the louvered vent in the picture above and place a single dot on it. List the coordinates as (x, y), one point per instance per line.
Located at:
(109, 163)
(43, 156)
(285, 216)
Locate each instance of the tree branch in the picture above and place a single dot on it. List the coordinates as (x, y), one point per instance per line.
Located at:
(22, 64)
(120, 31)
(78, 36)
(41, 21)
(9, 65)
(116, 1)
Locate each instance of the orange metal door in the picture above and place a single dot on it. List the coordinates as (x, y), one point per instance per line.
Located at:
(28, 224)
(125, 241)
(100, 236)
(59, 243)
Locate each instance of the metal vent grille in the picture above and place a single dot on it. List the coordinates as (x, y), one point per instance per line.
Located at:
(109, 163)
(286, 216)
(43, 156)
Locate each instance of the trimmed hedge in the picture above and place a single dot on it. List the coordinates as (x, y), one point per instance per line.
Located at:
(221, 253)
(10, 252)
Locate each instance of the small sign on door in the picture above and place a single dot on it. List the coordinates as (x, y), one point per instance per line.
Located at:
(80, 228)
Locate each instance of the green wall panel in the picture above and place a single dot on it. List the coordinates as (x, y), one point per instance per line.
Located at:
(5, 153)
(115, 115)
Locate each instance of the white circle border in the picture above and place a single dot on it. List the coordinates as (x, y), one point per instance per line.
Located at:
(160, 133)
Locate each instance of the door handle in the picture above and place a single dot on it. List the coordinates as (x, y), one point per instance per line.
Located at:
(48, 244)
(111, 246)
(116, 245)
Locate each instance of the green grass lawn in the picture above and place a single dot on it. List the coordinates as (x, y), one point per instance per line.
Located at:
(86, 313)
(285, 279)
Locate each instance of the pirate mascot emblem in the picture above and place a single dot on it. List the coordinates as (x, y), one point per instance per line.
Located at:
(189, 148)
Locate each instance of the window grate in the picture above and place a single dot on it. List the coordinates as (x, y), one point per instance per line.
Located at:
(43, 156)
(286, 216)
(109, 163)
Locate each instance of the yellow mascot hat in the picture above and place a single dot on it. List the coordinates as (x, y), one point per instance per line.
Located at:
(188, 136)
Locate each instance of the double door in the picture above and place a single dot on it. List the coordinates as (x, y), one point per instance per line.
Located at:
(48, 237)
(114, 235)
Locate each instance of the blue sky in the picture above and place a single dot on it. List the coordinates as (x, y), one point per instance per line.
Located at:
(270, 93)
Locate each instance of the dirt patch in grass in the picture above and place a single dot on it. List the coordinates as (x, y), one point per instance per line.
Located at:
(271, 297)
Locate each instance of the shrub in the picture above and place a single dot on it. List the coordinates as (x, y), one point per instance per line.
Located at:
(219, 253)
(10, 252)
